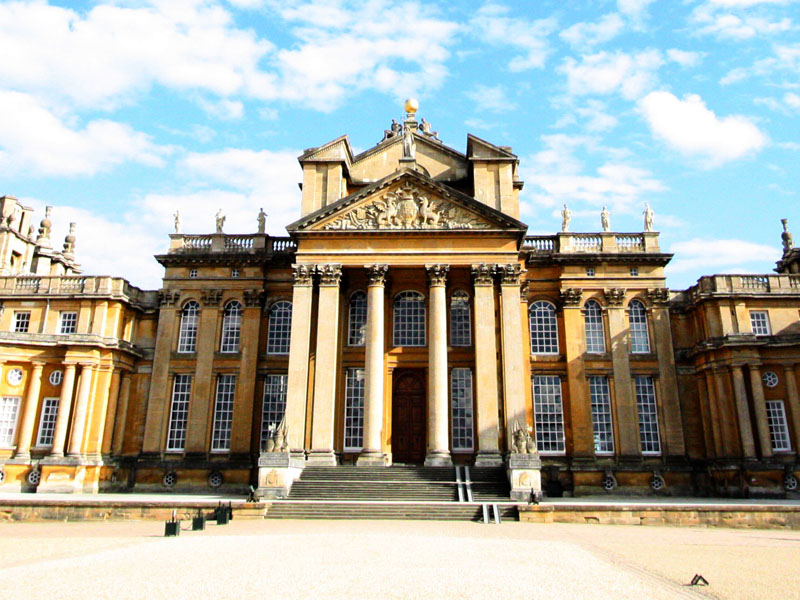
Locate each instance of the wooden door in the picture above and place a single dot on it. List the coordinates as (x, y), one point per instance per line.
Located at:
(408, 416)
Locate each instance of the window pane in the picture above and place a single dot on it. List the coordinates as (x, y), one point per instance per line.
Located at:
(280, 328)
(231, 327)
(601, 415)
(460, 325)
(179, 412)
(22, 321)
(357, 327)
(637, 317)
(461, 408)
(778, 429)
(47, 423)
(68, 322)
(223, 413)
(274, 406)
(593, 318)
(759, 322)
(544, 328)
(648, 416)
(354, 410)
(9, 408)
(409, 319)
(548, 413)
(187, 337)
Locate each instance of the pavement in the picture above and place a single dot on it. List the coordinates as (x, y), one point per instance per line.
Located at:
(393, 559)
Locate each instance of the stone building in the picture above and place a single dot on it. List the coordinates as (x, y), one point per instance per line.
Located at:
(406, 319)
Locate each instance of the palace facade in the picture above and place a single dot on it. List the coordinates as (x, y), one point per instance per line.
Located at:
(406, 319)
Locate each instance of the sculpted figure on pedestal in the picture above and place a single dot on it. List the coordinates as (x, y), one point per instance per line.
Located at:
(787, 237)
(220, 219)
(566, 217)
(177, 217)
(262, 220)
(648, 217)
(604, 219)
(425, 127)
(409, 145)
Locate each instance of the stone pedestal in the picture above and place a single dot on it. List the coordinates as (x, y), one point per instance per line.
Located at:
(525, 476)
(72, 475)
(277, 471)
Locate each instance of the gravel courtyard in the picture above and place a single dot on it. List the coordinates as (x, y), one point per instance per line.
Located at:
(393, 559)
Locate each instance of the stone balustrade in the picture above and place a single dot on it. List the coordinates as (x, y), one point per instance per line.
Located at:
(732, 284)
(605, 242)
(229, 243)
(23, 285)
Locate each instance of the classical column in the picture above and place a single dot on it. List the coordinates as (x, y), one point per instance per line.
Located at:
(794, 402)
(705, 413)
(728, 435)
(486, 368)
(438, 454)
(299, 347)
(743, 413)
(81, 409)
(121, 414)
(760, 411)
(577, 382)
(326, 367)
(512, 349)
(717, 431)
(372, 453)
(627, 414)
(64, 406)
(108, 415)
(24, 439)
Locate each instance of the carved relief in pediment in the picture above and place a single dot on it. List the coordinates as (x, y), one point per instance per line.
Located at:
(408, 207)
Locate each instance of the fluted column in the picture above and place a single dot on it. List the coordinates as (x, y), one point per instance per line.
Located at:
(512, 348)
(64, 406)
(794, 403)
(29, 412)
(299, 347)
(438, 453)
(372, 452)
(486, 368)
(760, 411)
(326, 366)
(81, 409)
(743, 413)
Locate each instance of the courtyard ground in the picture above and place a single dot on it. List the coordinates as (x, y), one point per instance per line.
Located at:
(393, 559)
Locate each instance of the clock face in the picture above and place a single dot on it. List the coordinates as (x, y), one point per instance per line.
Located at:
(14, 376)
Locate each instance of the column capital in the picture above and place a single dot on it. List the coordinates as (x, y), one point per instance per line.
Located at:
(168, 297)
(510, 274)
(658, 296)
(571, 296)
(483, 274)
(303, 274)
(614, 296)
(211, 297)
(376, 274)
(330, 274)
(788, 368)
(38, 364)
(253, 298)
(437, 274)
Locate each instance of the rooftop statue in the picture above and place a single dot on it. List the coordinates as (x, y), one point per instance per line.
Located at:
(394, 130)
(425, 128)
(787, 237)
(262, 220)
(177, 217)
(566, 217)
(220, 218)
(409, 145)
(648, 217)
(604, 214)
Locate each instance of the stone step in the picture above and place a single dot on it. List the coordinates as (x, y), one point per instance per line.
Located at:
(287, 509)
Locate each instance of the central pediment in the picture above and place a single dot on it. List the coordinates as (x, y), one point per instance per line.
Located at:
(407, 201)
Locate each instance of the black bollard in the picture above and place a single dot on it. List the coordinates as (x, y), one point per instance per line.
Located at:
(198, 522)
(172, 528)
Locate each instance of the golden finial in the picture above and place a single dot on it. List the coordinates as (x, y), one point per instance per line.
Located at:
(411, 105)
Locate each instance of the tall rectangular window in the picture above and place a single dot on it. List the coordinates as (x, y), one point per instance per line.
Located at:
(461, 409)
(593, 324)
(179, 413)
(357, 321)
(223, 413)
(274, 405)
(354, 410)
(279, 328)
(602, 422)
(648, 415)
(778, 428)
(548, 414)
(759, 322)
(47, 422)
(68, 322)
(460, 321)
(9, 411)
(22, 321)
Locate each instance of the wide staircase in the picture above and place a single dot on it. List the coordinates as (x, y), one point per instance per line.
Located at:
(396, 492)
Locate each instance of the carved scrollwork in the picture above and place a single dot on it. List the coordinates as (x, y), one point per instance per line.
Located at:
(211, 297)
(330, 274)
(615, 296)
(303, 274)
(168, 297)
(253, 298)
(658, 296)
(437, 274)
(510, 274)
(483, 274)
(376, 274)
(408, 207)
(571, 296)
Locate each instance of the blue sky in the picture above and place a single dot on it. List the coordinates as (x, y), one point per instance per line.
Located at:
(119, 113)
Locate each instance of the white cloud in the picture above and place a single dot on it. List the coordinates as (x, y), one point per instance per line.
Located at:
(490, 98)
(746, 3)
(226, 110)
(690, 127)
(586, 35)
(493, 24)
(607, 73)
(597, 119)
(722, 255)
(683, 57)
(728, 19)
(35, 139)
(633, 8)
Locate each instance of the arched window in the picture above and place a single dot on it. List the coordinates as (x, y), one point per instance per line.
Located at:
(231, 327)
(637, 319)
(544, 328)
(187, 336)
(279, 330)
(460, 325)
(409, 319)
(593, 320)
(357, 326)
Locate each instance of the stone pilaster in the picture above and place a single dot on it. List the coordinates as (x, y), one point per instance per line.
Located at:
(64, 406)
(121, 414)
(326, 367)
(81, 410)
(300, 342)
(26, 426)
(486, 368)
(512, 349)
(579, 402)
(108, 413)
(743, 413)
(627, 414)
(672, 426)
(155, 429)
(438, 453)
(793, 400)
(372, 452)
(242, 431)
(716, 425)
(760, 412)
